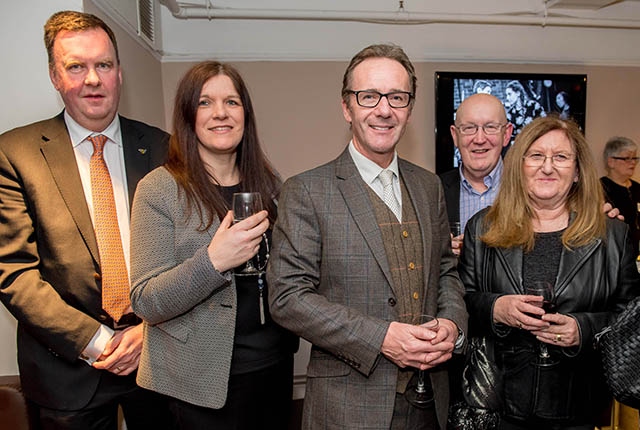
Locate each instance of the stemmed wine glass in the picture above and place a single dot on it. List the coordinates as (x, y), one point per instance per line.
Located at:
(244, 205)
(547, 291)
(418, 395)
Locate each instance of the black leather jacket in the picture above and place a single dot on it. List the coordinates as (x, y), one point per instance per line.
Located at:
(593, 284)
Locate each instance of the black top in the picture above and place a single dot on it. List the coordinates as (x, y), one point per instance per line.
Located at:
(542, 263)
(627, 200)
(256, 346)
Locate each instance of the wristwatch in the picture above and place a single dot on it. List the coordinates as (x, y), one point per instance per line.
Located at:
(459, 341)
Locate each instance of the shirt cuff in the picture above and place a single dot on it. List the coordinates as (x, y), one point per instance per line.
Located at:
(96, 345)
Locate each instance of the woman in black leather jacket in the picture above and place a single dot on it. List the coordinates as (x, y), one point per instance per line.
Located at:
(547, 225)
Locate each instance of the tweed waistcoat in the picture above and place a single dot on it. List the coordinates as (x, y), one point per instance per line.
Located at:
(403, 247)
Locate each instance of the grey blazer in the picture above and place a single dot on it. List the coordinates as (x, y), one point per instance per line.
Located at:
(330, 283)
(188, 308)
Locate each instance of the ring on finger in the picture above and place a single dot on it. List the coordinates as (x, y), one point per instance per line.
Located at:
(519, 324)
(558, 338)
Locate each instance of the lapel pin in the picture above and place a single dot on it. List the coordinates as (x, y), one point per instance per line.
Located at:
(142, 150)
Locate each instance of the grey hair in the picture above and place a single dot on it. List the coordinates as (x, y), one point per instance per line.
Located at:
(617, 144)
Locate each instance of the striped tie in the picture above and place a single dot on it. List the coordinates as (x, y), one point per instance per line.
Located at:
(388, 196)
(115, 279)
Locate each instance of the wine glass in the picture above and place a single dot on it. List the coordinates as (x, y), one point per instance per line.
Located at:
(548, 293)
(244, 205)
(418, 395)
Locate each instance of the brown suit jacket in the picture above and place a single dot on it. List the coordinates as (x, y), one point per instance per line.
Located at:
(330, 283)
(49, 263)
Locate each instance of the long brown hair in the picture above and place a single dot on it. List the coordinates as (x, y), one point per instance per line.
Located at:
(188, 169)
(509, 221)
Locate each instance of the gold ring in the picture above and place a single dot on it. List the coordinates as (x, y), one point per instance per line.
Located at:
(558, 338)
(118, 369)
(519, 324)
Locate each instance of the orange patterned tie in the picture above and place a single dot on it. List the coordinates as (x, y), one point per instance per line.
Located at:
(115, 279)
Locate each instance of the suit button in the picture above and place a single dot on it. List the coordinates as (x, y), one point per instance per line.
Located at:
(392, 301)
(405, 234)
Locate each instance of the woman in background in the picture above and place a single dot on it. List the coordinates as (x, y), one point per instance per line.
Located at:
(562, 101)
(620, 160)
(520, 109)
(206, 344)
(547, 225)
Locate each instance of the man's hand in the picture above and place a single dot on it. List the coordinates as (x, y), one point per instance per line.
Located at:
(456, 243)
(122, 353)
(612, 212)
(420, 347)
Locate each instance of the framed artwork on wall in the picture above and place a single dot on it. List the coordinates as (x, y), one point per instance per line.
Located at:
(524, 95)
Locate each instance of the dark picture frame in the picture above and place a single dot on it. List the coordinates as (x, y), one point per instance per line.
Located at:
(539, 93)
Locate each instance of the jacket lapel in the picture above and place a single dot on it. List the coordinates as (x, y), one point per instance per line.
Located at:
(356, 198)
(136, 155)
(571, 262)
(58, 154)
(511, 261)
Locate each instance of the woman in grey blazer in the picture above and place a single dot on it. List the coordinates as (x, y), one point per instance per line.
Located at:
(209, 342)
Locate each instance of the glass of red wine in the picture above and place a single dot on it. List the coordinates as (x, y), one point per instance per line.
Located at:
(548, 303)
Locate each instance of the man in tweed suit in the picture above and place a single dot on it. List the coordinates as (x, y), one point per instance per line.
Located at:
(348, 272)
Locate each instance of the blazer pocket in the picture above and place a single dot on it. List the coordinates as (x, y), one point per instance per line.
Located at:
(175, 329)
(322, 365)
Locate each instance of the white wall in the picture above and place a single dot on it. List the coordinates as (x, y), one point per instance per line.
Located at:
(27, 96)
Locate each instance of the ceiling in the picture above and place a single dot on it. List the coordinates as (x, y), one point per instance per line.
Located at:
(552, 31)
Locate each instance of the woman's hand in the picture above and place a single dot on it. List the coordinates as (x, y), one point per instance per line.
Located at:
(520, 311)
(563, 331)
(234, 244)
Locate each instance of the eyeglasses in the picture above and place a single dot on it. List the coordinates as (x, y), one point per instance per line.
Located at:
(627, 159)
(471, 129)
(370, 99)
(558, 160)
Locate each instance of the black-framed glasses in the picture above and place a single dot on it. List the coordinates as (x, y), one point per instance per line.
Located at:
(627, 159)
(537, 159)
(471, 129)
(370, 99)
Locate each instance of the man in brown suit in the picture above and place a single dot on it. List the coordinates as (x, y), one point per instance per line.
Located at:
(77, 363)
(360, 247)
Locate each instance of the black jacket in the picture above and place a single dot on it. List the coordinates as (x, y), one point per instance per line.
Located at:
(451, 185)
(593, 284)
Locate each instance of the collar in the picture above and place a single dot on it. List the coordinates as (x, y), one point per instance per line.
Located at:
(367, 168)
(492, 179)
(79, 134)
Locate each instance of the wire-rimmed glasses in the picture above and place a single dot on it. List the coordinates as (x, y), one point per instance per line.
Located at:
(471, 129)
(537, 159)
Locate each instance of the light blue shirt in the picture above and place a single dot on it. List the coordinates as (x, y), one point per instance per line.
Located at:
(472, 201)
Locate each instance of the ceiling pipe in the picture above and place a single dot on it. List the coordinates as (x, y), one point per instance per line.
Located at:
(401, 17)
